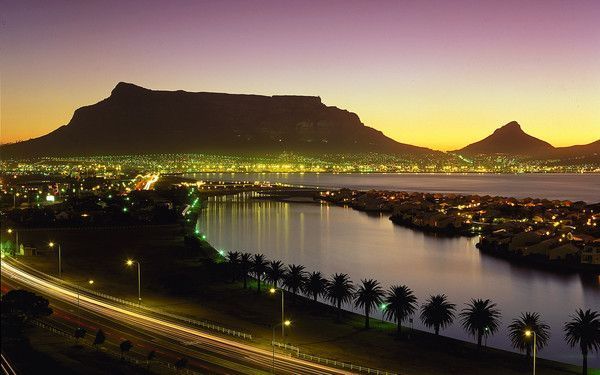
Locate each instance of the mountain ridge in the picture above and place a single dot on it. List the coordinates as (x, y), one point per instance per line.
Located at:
(135, 120)
(510, 139)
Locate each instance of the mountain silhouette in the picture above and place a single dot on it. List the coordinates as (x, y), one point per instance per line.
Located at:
(510, 139)
(578, 150)
(136, 120)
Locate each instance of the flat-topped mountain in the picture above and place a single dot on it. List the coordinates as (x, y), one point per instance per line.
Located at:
(510, 139)
(136, 120)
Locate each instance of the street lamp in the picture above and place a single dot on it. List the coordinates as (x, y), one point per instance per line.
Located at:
(528, 333)
(130, 263)
(273, 291)
(284, 323)
(487, 331)
(383, 307)
(90, 282)
(10, 231)
(52, 244)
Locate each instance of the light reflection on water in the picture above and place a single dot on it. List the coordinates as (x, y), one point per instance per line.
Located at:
(336, 239)
(584, 187)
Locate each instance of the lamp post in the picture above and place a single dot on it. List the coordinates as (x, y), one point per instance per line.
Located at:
(273, 291)
(383, 307)
(487, 330)
(284, 323)
(10, 231)
(130, 263)
(528, 333)
(90, 282)
(52, 244)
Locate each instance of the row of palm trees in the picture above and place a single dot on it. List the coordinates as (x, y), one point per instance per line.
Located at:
(480, 318)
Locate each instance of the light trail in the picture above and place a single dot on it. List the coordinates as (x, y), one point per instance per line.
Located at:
(239, 355)
(153, 179)
(6, 367)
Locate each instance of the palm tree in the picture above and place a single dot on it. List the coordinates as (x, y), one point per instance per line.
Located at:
(245, 267)
(294, 279)
(368, 295)
(480, 318)
(528, 322)
(181, 363)
(437, 312)
(100, 338)
(340, 290)
(125, 347)
(584, 329)
(275, 272)
(233, 259)
(259, 265)
(400, 303)
(150, 357)
(79, 333)
(315, 285)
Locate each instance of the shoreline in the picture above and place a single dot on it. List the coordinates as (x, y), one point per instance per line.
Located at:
(559, 245)
(583, 269)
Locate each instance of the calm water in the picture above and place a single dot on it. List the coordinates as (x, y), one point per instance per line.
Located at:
(335, 239)
(584, 187)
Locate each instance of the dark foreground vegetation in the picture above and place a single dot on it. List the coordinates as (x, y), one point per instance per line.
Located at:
(481, 318)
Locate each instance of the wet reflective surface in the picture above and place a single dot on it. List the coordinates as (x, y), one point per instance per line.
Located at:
(584, 187)
(336, 239)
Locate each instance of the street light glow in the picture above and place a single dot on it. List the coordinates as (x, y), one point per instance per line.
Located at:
(90, 282)
(51, 244)
(272, 290)
(129, 262)
(287, 323)
(528, 333)
(9, 230)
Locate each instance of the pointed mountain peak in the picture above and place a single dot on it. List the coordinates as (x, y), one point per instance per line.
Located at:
(511, 127)
(509, 139)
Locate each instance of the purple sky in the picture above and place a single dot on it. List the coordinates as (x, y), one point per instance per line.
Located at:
(432, 73)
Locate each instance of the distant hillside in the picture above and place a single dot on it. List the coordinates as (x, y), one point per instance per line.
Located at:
(509, 139)
(135, 120)
(579, 150)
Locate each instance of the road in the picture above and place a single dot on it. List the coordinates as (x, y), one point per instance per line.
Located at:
(206, 352)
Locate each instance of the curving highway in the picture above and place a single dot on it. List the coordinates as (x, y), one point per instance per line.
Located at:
(206, 352)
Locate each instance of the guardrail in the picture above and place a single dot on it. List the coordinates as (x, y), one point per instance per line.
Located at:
(295, 350)
(129, 359)
(286, 346)
(344, 365)
(198, 323)
(330, 362)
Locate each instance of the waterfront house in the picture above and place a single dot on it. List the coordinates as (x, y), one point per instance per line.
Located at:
(591, 253)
